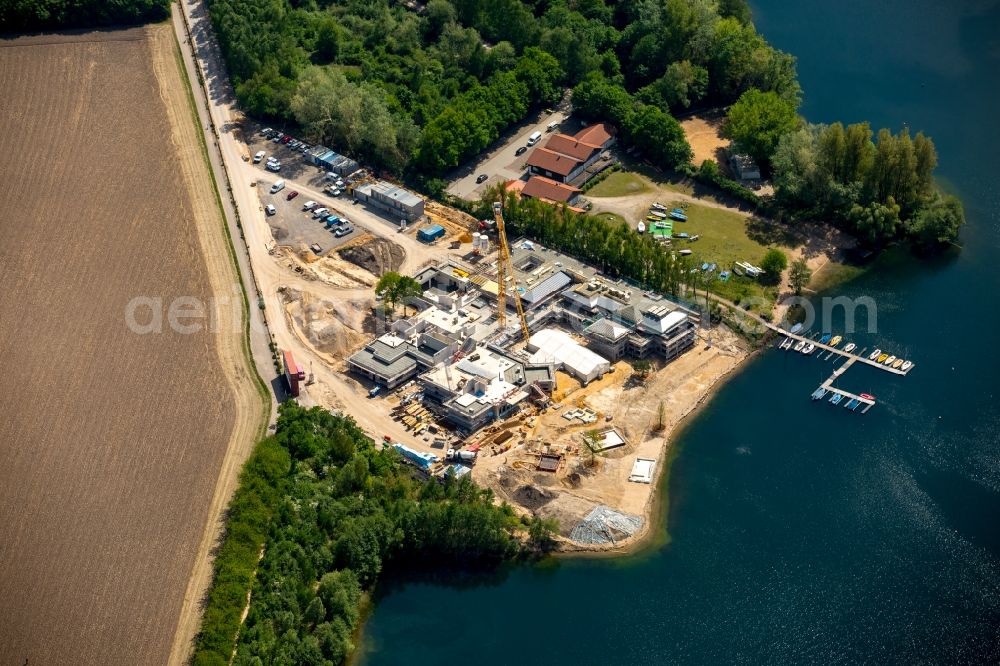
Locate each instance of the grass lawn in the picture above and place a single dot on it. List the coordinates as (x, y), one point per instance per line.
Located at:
(723, 241)
(611, 218)
(724, 238)
(619, 184)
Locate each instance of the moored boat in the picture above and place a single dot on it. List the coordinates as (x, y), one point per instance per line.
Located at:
(890, 360)
(898, 362)
(874, 355)
(867, 396)
(850, 346)
(906, 366)
(825, 339)
(882, 357)
(799, 345)
(809, 349)
(836, 340)
(794, 329)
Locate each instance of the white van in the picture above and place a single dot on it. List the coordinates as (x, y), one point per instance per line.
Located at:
(551, 127)
(258, 157)
(534, 138)
(278, 186)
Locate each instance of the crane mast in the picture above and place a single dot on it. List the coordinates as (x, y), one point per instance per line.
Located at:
(504, 267)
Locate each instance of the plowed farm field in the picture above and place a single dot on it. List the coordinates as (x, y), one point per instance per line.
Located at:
(111, 441)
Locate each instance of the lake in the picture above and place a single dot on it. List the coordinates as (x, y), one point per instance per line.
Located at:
(802, 532)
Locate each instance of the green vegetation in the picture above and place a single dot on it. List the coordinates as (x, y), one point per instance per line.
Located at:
(799, 275)
(774, 264)
(319, 514)
(758, 120)
(723, 236)
(393, 288)
(619, 184)
(617, 250)
(880, 190)
(30, 15)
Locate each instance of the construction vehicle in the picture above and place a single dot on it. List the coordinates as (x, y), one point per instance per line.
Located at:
(504, 267)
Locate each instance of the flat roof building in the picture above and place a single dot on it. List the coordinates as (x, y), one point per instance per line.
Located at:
(399, 203)
(554, 346)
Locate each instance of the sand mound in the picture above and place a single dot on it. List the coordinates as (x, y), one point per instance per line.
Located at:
(377, 256)
(331, 327)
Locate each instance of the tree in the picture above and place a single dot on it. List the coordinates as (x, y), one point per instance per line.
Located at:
(758, 120)
(596, 98)
(875, 223)
(661, 417)
(938, 223)
(799, 275)
(660, 136)
(393, 288)
(681, 85)
(774, 264)
(540, 531)
(591, 447)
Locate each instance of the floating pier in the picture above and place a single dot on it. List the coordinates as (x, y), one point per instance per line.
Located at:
(837, 396)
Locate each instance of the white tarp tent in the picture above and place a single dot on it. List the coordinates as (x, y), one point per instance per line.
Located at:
(550, 345)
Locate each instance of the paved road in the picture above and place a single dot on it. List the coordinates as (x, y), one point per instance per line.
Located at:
(497, 163)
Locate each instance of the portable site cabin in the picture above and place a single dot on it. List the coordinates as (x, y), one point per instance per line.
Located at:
(431, 233)
(293, 373)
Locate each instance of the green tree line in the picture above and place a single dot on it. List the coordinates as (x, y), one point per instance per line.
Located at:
(319, 514)
(32, 15)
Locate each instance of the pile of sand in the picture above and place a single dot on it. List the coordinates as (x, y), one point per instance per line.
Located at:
(377, 255)
(331, 327)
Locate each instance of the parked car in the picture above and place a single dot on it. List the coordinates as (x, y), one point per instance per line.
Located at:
(332, 220)
(278, 186)
(309, 205)
(273, 166)
(293, 144)
(521, 150)
(343, 231)
(286, 139)
(258, 156)
(320, 212)
(266, 131)
(278, 137)
(270, 209)
(315, 247)
(305, 147)
(481, 178)
(333, 191)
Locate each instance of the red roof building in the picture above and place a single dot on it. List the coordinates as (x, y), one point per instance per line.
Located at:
(565, 158)
(601, 134)
(539, 187)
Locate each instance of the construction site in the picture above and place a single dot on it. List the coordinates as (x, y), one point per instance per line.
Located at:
(558, 391)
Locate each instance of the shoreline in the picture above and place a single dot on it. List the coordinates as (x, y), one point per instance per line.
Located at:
(655, 512)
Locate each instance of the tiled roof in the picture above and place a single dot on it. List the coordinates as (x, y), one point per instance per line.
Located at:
(546, 188)
(567, 145)
(547, 160)
(598, 134)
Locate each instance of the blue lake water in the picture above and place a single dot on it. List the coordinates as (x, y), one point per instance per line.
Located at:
(802, 532)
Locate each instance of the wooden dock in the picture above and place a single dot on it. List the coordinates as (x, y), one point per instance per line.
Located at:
(834, 350)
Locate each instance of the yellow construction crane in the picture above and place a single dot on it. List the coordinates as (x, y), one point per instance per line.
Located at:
(504, 267)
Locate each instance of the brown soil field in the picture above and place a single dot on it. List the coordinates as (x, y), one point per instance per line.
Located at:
(117, 449)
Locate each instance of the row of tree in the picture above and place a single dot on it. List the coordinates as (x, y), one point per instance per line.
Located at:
(614, 248)
(31, 15)
(331, 511)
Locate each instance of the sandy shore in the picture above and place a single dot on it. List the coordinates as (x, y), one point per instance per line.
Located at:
(631, 406)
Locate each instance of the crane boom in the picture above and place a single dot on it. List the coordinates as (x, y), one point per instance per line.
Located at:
(504, 266)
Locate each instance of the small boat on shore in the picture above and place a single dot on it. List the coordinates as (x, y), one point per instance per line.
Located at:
(890, 360)
(684, 253)
(836, 340)
(694, 238)
(850, 346)
(898, 362)
(680, 217)
(874, 355)
(799, 345)
(658, 206)
(641, 228)
(882, 357)
(906, 366)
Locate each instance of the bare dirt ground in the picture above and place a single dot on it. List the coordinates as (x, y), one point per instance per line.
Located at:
(113, 440)
(375, 255)
(570, 493)
(704, 133)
